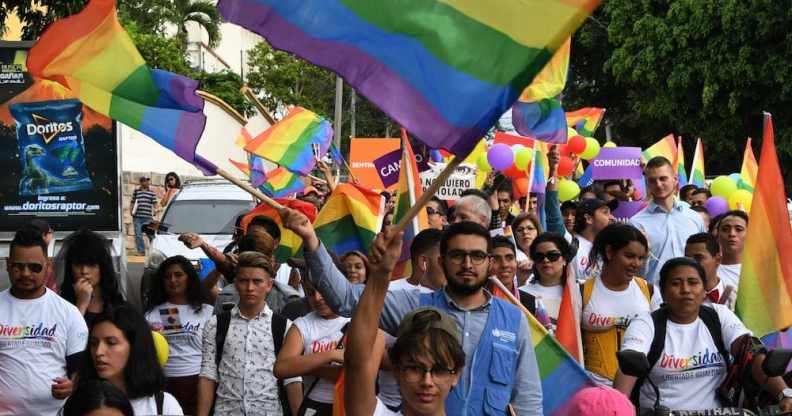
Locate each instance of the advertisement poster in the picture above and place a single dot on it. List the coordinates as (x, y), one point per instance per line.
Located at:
(59, 157)
(362, 154)
(464, 177)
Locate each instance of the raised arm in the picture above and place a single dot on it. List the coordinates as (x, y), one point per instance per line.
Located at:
(555, 222)
(361, 360)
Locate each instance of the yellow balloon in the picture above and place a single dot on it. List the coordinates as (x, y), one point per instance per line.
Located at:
(161, 346)
(609, 144)
(567, 190)
(741, 199)
(483, 163)
(571, 132)
(523, 158)
(592, 149)
(723, 187)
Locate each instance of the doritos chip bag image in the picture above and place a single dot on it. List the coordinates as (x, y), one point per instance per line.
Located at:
(51, 147)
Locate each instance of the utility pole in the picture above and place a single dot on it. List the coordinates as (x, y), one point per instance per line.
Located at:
(353, 118)
(339, 102)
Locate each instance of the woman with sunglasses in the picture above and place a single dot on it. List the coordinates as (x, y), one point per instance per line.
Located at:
(613, 297)
(525, 228)
(172, 186)
(551, 254)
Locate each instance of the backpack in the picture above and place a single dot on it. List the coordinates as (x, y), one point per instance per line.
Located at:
(707, 315)
(278, 324)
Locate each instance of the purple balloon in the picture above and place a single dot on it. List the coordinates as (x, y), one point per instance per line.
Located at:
(716, 205)
(500, 156)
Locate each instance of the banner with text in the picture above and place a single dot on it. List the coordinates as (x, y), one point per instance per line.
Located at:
(617, 163)
(362, 154)
(464, 177)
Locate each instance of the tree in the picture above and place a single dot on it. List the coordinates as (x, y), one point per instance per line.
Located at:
(704, 68)
(35, 16)
(202, 12)
(281, 79)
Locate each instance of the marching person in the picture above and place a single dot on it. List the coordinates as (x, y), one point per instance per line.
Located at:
(142, 210)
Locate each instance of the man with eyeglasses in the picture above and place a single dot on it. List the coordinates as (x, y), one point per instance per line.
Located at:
(42, 336)
(500, 364)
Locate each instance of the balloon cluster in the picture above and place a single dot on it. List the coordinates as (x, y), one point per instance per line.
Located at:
(726, 195)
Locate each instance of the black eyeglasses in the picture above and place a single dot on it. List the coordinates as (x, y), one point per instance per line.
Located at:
(550, 255)
(414, 373)
(431, 211)
(19, 266)
(477, 257)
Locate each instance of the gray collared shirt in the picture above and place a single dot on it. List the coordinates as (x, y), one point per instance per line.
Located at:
(342, 297)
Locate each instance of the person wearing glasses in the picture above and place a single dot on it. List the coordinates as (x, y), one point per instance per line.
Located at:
(42, 336)
(500, 364)
(613, 296)
(172, 186)
(437, 211)
(551, 255)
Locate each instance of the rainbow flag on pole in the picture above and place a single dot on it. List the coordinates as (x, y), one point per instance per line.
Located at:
(586, 120)
(764, 301)
(468, 61)
(665, 147)
(91, 54)
(282, 183)
(680, 164)
(408, 191)
(289, 142)
(749, 169)
(350, 219)
(697, 175)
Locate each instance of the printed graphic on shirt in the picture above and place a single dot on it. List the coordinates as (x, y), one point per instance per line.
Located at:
(33, 334)
(704, 363)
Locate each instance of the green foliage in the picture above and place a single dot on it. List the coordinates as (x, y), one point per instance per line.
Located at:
(36, 15)
(158, 51)
(226, 85)
(698, 68)
(282, 79)
(202, 12)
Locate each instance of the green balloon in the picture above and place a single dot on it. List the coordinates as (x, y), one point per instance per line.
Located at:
(723, 187)
(483, 163)
(567, 190)
(523, 158)
(592, 149)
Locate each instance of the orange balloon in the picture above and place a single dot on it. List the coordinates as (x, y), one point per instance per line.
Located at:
(514, 172)
(565, 166)
(520, 187)
(576, 144)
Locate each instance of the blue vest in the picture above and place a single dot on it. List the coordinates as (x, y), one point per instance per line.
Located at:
(494, 362)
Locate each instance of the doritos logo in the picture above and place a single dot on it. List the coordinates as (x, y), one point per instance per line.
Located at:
(46, 128)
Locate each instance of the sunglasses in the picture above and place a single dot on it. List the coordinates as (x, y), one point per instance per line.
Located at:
(550, 256)
(432, 211)
(33, 267)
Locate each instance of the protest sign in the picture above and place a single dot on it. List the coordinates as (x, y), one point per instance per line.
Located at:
(388, 167)
(464, 177)
(617, 163)
(362, 154)
(626, 210)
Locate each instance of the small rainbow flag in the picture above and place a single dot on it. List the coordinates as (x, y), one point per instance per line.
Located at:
(543, 120)
(408, 190)
(289, 142)
(586, 120)
(350, 219)
(539, 168)
(665, 147)
(680, 164)
(697, 175)
(749, 169)
(469, 61)
(91, 54)
(568, 325)
(764, 301)
(281, 183)
(290, 244)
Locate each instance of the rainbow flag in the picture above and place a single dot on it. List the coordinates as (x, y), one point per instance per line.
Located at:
(551, 80)
(543, 120)
(680, 164)
(91, 54)
(289, 142)
(665, 147)
(586, 120)
(568, 325)
(281, 183)
(408, 191)
(539, 168)
(290, 244)
(469, 61)
(697, 176)
(764, 301)
(749, 169)
(350, 219)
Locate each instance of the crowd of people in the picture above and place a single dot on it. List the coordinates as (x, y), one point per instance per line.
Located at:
(334, 333)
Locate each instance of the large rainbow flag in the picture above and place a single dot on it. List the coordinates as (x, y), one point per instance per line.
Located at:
(749, 169)
(408, 190)
(586, 120)
(665, 147)
(697, 175)
(289, 142)
(680, 164)
(290, 244)
(350, 219)
(91, 54)
(468, 61)
(764, 301)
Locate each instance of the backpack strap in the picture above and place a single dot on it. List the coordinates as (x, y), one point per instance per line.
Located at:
(710, 318)
(159, 398)
(646, 288)
(278, 331)
(586, 289)
(223, 322)
(660, 321)
(529, 301)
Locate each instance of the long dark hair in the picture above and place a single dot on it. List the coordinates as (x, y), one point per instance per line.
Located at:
(87, 247)
(561, 245)
(196, 295)
(143, 374)
(95, 394)
(616, 236)
(178, 180)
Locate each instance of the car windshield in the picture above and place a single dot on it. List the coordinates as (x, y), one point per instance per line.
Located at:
(204, 217)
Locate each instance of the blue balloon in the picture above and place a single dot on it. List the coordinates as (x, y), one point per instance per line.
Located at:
(735, 177)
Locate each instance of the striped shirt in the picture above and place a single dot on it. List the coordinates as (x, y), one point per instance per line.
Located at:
(145, 203)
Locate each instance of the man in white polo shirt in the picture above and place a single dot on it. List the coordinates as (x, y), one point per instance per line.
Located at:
(42, 336)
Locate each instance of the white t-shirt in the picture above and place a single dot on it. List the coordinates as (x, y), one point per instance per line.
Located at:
(282, 276)
(581, 259)
(608, 309)
(320, 335)
(389, 392)
(147, 406)
(550, 296)
(403, 284)
(182, 327)
(36, 336)
(730, 273)
(381, 410)
(690, 369)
